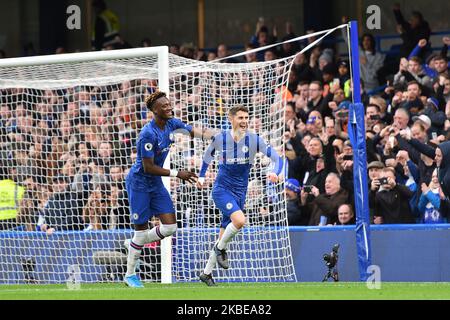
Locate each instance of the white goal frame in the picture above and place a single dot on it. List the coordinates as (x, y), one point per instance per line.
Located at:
(162, 53)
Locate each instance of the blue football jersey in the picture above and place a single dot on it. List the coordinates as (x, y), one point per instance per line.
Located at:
(153, 142)
(237, 158)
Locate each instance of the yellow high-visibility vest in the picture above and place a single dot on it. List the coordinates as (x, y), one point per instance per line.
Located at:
(112, 26)
(10, 196)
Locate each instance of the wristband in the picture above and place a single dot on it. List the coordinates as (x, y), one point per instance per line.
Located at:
(201, 180)
(174, 173)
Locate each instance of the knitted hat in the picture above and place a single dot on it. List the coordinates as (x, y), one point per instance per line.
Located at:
(293, 185)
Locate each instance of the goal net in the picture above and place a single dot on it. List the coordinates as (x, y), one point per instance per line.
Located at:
(69, 125)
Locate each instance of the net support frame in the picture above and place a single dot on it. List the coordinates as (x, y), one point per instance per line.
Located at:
(162, 52)
(358, 139)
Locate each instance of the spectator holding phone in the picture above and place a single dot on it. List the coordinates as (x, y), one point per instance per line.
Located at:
(323, 207)
(373, 116)
(295, 214)
(390, 200)
(430, 201)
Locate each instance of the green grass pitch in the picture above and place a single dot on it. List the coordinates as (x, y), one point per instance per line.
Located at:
(231, 291)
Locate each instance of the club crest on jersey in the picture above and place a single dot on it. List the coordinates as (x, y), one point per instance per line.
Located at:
(148, 146)
(244, 149)
(171, 136)
(135, 216)
(229, 205)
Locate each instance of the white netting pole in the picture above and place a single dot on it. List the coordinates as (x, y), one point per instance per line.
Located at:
(204, 94)
(166, 243)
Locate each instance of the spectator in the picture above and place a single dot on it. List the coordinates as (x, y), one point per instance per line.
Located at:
(262, 38)
(211, 56)
(430, 201)
(374, 168)
(290, 48)
(294, 213)
(302, 68)
(116, 175)
(174, 49)
(323, 207)
(437, 118)
(370, 62)
(250, 57)
(441, 89)
(222, 52)
(401, 119)
(424, 163)
(343, 73)
(441, 65)
(346, 215)
(146, 42)
(412, 70)
(106, 27)
(270, 55)
(411, 32)
(60, 50)
(12, 194)
(441, 156)
(430, 66)
(119, 213)
(390, 200)
(63, 209)
(316, 99)
(105, 154)
(96, 212)
(313, 163)
(373, 118)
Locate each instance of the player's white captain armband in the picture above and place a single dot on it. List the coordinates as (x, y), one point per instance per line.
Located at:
(174, 173)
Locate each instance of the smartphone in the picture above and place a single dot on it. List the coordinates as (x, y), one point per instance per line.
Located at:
(336, 81)
(392, 141)
(348, 157)
(375, 117)
(434, 135)
(311, 120)
(307, 188)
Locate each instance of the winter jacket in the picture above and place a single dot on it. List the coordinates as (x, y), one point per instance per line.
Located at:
(392, 205)
(63, 211)
(327, 205)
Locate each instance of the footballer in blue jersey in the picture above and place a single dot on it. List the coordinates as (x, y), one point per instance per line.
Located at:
(236, 149)
(146, 192)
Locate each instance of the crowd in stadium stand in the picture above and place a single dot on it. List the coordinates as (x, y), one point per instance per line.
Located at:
(65, 155)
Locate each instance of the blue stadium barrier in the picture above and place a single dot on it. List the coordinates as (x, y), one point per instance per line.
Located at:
(414, 253)
(54, 254)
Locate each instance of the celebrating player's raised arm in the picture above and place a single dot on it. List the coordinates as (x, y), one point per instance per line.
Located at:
(147, 145)
(237, 149)
(207, 158)
(202, 133)
(194, 132)
(277, 161)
